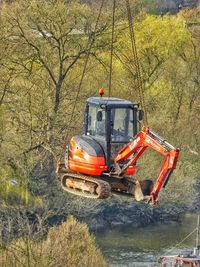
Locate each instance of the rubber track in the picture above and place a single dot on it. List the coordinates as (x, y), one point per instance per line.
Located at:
(102, 186)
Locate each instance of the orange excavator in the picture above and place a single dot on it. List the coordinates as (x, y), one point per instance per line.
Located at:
(103, 159)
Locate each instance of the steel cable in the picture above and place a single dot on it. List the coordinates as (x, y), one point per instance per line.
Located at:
(91, 40)
(112, 46)
(136, 62)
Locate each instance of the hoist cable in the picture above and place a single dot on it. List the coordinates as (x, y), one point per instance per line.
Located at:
(111, 50)
(182, 241)
(196, 229)
(91, 40)
(134, 50)
(136, 62)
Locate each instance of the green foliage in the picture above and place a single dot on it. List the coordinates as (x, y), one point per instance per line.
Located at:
(164, 36)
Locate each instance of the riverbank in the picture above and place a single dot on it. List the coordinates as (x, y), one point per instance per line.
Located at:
(17, 221)
(141, 214)
(99, 215)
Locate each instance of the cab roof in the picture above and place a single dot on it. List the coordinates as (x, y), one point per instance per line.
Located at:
(110, 101)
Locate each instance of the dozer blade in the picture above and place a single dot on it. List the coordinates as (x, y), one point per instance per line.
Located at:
(85, 186)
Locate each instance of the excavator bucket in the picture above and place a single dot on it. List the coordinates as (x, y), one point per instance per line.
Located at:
(138, 194)
(142, 189)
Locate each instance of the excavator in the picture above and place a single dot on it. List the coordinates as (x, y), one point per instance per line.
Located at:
(103, 159)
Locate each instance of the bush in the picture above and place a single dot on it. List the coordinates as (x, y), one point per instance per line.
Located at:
(69, 244)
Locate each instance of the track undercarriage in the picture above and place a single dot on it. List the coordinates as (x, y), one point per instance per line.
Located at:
(101, 187)
(85, 186)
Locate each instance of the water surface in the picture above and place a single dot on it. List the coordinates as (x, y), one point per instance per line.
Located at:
(141, 247)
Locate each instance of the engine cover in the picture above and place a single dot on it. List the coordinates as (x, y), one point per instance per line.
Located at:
(86, 155)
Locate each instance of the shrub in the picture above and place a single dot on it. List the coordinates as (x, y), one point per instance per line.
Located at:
(69, 244)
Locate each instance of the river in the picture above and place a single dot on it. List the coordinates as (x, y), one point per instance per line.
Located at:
(127, 246)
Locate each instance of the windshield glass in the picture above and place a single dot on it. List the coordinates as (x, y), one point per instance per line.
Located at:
(96, 122)
(121, 124)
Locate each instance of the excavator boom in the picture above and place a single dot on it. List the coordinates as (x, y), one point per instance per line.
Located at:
(136, 147)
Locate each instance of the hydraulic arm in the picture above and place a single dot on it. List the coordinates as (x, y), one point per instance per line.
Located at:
(136, 147)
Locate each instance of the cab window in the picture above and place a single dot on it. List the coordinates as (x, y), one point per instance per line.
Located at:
(121, 124)
(96, 122)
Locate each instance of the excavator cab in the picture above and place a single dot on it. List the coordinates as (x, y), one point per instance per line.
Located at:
(111, 122)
